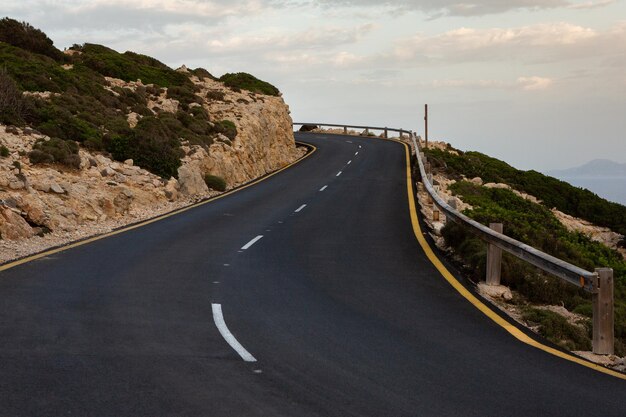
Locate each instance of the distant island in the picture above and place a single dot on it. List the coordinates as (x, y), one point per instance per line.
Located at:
(595, 168)
(602, 176)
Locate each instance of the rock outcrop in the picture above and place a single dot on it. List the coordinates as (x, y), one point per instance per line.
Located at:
(47, 205)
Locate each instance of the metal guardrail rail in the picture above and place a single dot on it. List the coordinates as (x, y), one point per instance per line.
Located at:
(589, 281)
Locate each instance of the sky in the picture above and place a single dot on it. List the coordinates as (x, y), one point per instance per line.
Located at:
(538, 83)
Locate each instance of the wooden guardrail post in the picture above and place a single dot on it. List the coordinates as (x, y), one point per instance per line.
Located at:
(603, 330)
(386, 134)
(494, 259)
(345, 130)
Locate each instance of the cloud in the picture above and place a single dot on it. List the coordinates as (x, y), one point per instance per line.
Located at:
(140, 14)
(439, 8)
(534, 83)
(590, 5)
(280, 40)
(527, 43)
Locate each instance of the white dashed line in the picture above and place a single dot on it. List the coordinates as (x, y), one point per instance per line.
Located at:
(349, 162)
(323, 188)
(252, 242)
(338, 174)
(348, 141)
(299, 209)
(218, 318)
(359, 146)
(356, 153)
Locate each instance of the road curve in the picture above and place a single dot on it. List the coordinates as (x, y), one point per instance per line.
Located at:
(315, 273)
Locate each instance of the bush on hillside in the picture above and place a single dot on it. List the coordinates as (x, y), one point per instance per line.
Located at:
(25, 36)
(227, 128)
(59, 151)
(150, 145)
(11, 103)
(215, 182)
(129, 66)
(4, 151)
(244, 81)
(202, 73)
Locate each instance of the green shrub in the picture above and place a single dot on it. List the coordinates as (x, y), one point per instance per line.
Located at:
(215, 95)
(202, 73)
(151, 145)
(184, 94)
(4, 151)
(556, 328)
(227, 128)
(215, 183)
(129, 66)
(59, 151)
(244, 81)
(11, 103)
(23, 35)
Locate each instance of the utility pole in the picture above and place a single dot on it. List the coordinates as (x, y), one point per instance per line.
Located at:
(426, 124)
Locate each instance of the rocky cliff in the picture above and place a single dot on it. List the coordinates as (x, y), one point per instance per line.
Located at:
(44, 205)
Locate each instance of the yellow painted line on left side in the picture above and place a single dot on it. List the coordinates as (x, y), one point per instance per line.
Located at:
(49, 252)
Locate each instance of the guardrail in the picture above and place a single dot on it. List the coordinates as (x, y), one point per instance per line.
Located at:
(599, 283)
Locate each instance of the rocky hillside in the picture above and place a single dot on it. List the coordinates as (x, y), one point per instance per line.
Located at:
(91, 139)
(545, 213)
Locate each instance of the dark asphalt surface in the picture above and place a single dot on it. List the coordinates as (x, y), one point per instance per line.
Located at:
(338, 303)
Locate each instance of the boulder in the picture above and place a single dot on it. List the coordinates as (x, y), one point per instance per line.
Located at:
(477, 181)
(497, 185)
(107, 172)
(13, 226)
(34, 208)
(16, 184)
(191, 180)
(56, 188)
(495, 291)
(171, 189)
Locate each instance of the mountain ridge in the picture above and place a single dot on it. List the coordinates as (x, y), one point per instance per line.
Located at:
(593, 168)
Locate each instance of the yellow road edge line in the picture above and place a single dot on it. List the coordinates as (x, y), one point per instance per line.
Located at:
(454, 282)
(49, 252)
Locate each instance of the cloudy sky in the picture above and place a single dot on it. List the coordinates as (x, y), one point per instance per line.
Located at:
(539, 83)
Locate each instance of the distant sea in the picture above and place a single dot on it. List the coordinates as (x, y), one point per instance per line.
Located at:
(611, 188)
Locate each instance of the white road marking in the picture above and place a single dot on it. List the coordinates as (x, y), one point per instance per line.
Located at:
(359, 146)
(348, 141)
(338, 174)
(323, 188)
(218, 318)
(226, 264)
(349, 162)
(299, 209)
(356, 153)
(252, 242)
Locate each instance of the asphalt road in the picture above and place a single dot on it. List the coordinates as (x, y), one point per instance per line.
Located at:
(336, 302)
